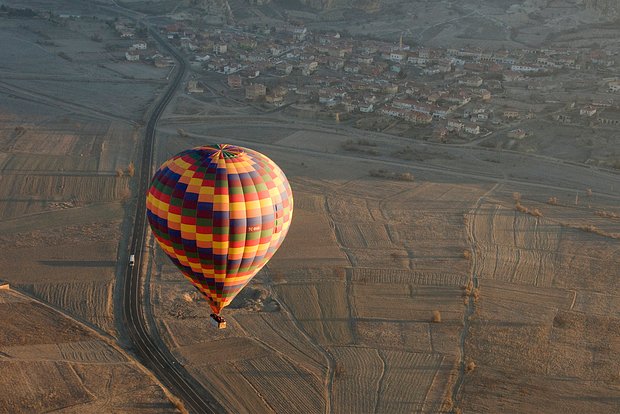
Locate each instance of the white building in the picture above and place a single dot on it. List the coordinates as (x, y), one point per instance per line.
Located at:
(472, 129)
(367, 108)
(132, 56)
(220, 48)
(524, 68)
(139, 45)
(397, 56)
(588, 110)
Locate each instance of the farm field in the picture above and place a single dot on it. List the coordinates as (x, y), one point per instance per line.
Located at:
(51, 363)
(365, 264)
(63, 189)
(345, 309)
(548, 308)
(68, 137)
(416, 277)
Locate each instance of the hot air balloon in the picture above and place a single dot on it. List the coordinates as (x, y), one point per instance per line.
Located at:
(219, 212)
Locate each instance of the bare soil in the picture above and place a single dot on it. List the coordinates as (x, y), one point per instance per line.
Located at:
(342, 318)
(369, 260)
(67, 136)
(49, 363)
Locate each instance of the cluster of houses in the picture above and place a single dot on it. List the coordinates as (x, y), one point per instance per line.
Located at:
(450, 88)
(135, 50)
(596, 113)
(125, 30)
(138, 49)
(419, 85)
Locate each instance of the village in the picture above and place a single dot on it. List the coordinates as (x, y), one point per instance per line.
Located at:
(447, 95)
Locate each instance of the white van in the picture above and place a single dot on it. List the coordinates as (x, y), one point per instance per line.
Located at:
(132, 260)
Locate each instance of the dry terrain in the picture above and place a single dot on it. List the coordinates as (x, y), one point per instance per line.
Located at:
(50, 363)
(415, 277)
(355, 284)
(68, 135)
(343, 314)
(548, 317)
(68, 132)
(490, 24)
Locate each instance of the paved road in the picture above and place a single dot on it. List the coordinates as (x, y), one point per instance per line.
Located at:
(262, 120)
(250, 121)
(150, 351)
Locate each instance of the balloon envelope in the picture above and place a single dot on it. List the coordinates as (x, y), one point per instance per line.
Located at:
(219, 212)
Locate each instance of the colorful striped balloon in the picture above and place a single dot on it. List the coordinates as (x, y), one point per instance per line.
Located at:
(219, 212)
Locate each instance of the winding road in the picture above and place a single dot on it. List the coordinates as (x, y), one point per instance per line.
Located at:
(149, 350)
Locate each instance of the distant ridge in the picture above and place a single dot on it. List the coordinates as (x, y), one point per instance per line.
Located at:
(609, 8)
(366, 5)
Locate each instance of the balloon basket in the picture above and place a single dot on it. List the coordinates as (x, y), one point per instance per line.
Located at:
(218, 321)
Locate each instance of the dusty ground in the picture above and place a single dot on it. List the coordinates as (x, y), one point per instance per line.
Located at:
(369, 259)
(486, 24)
(50, 363)
(67, 136)
(70, 109)
(547, 319)
(342, 318)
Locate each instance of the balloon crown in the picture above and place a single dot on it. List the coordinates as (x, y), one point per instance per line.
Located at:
(224, 150)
